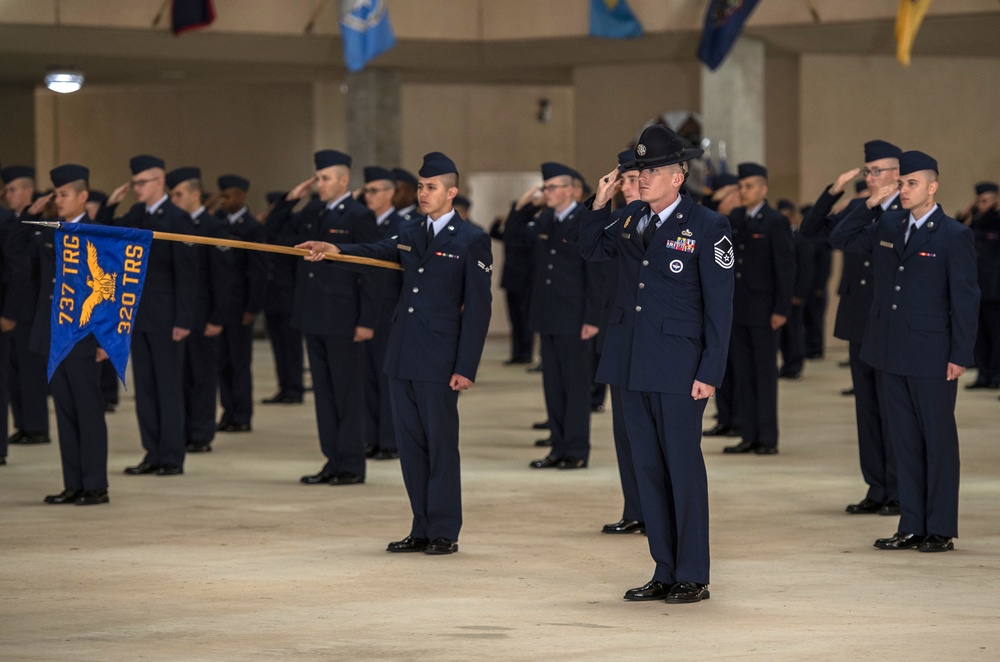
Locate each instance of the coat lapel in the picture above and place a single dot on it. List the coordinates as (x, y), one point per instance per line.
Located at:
(923, 233)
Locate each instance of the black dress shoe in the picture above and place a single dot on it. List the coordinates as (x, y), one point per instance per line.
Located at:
(790, 375)
(386, 455)
(765, 450)
(64, 497)
(933, 543)
(234, 427)
(3, 460)
(683, 593)
(900, 540)
(547, 462)
(864, 507)
(843, 364)
(408, 544)
(544, 443)
(345, 478)
(596, 409)
(292, 399)
(316, 479)
(140, 469)
(572, 463)
(517, 362)
(276, 399)
(742, 447)
(92, 498)
(543, 425)
(977, 385)
(35, 438)
(440, 546)
(370, 451)
(535, 368)
(624, 526)
(848, 391)
(721, 430)
(16, 437)
(890, 509)
(170, 470)
(109, 407)
(197, 447)
(221, 426)
(651, 590)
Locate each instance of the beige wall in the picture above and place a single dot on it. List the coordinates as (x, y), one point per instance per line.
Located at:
(264, 132)
(613, 102)
(17, 135)
(781, 126)
(946, 107)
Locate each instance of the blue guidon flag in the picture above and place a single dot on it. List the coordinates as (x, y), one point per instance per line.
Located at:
(724, 21)
(365, 31)
(100, 271)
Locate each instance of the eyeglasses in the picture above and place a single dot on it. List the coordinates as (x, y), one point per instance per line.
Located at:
(875, 172)
(139, 183)
(372, 190)
(553, 187)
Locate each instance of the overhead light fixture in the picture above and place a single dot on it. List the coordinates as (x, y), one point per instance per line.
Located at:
(64, 81)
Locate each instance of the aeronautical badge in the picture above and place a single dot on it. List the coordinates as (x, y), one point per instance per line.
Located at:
(488, 268)
(724, 256)
(640, 149)
(677, 266)
(686, 232)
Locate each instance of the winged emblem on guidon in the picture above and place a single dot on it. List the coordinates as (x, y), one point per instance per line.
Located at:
(102, 286)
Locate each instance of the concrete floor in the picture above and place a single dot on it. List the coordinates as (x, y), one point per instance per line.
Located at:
(236, 560)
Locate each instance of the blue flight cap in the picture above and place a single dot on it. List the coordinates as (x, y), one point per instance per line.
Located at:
(723, 179)
(331, 157)
(10, 173)
(660, 146)
(914, 161)
(274, 196)
(70, 172)
(745, 170)
(785, 203)
(378, 173)
(97, 196)
(234, 181)
(175, 177)
(404, 176)
(144, 162)
(626, 160)
(987, 187)
(880, 149)
(436, 164)
(552, 169)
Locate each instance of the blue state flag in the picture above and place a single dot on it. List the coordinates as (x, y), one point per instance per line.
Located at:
(100, 271)
(613, 19)
(723, 23)
(365, 30)
(190, 15)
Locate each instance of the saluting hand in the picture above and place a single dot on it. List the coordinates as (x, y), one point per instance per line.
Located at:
(608, 185)
(118, 194)
(843, 180)
(317, 249)
(881, 195)
(528, 196)
(38, 206)
(301, 190)
(460, 383)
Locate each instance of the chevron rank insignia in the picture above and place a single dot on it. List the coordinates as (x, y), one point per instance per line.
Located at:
(485, 267)
(724, 256)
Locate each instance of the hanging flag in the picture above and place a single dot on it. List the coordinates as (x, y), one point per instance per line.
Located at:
(911, 15)
(191, 15)
(365, 30)
(613, 19)
(723, 23)
(100, 271)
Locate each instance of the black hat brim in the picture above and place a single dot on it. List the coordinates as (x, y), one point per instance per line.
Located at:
(689, 154)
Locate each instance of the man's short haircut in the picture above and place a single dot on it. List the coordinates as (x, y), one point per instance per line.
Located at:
(450, 180)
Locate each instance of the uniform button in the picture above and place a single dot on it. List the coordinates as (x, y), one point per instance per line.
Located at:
(410, 309)
(739, 261)
(741, 246)
(638, 309)
(739, 275)
(420, 270)
(311, 274)
(897, 288)
(416, 289)
(894, 306)
(550, 266)
(863, 281)
(900, 267)
(642, 285)
(867, 263)
(645, 263)
(552, 251)
(548, 282)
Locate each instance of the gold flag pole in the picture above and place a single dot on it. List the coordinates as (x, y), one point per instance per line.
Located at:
(254, 246)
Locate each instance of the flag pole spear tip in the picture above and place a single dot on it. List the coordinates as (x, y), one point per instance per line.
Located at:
(45, 224)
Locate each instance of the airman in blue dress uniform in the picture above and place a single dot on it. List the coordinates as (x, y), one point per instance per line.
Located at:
(921, 334)
(668, 337)
(438, 332)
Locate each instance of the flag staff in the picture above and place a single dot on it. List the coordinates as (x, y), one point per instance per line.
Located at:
(251, 246)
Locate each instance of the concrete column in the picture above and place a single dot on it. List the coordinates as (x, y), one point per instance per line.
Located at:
(732, 104)
(374, 134)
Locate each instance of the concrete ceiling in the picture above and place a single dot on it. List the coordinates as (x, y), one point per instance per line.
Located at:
(130, 56)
